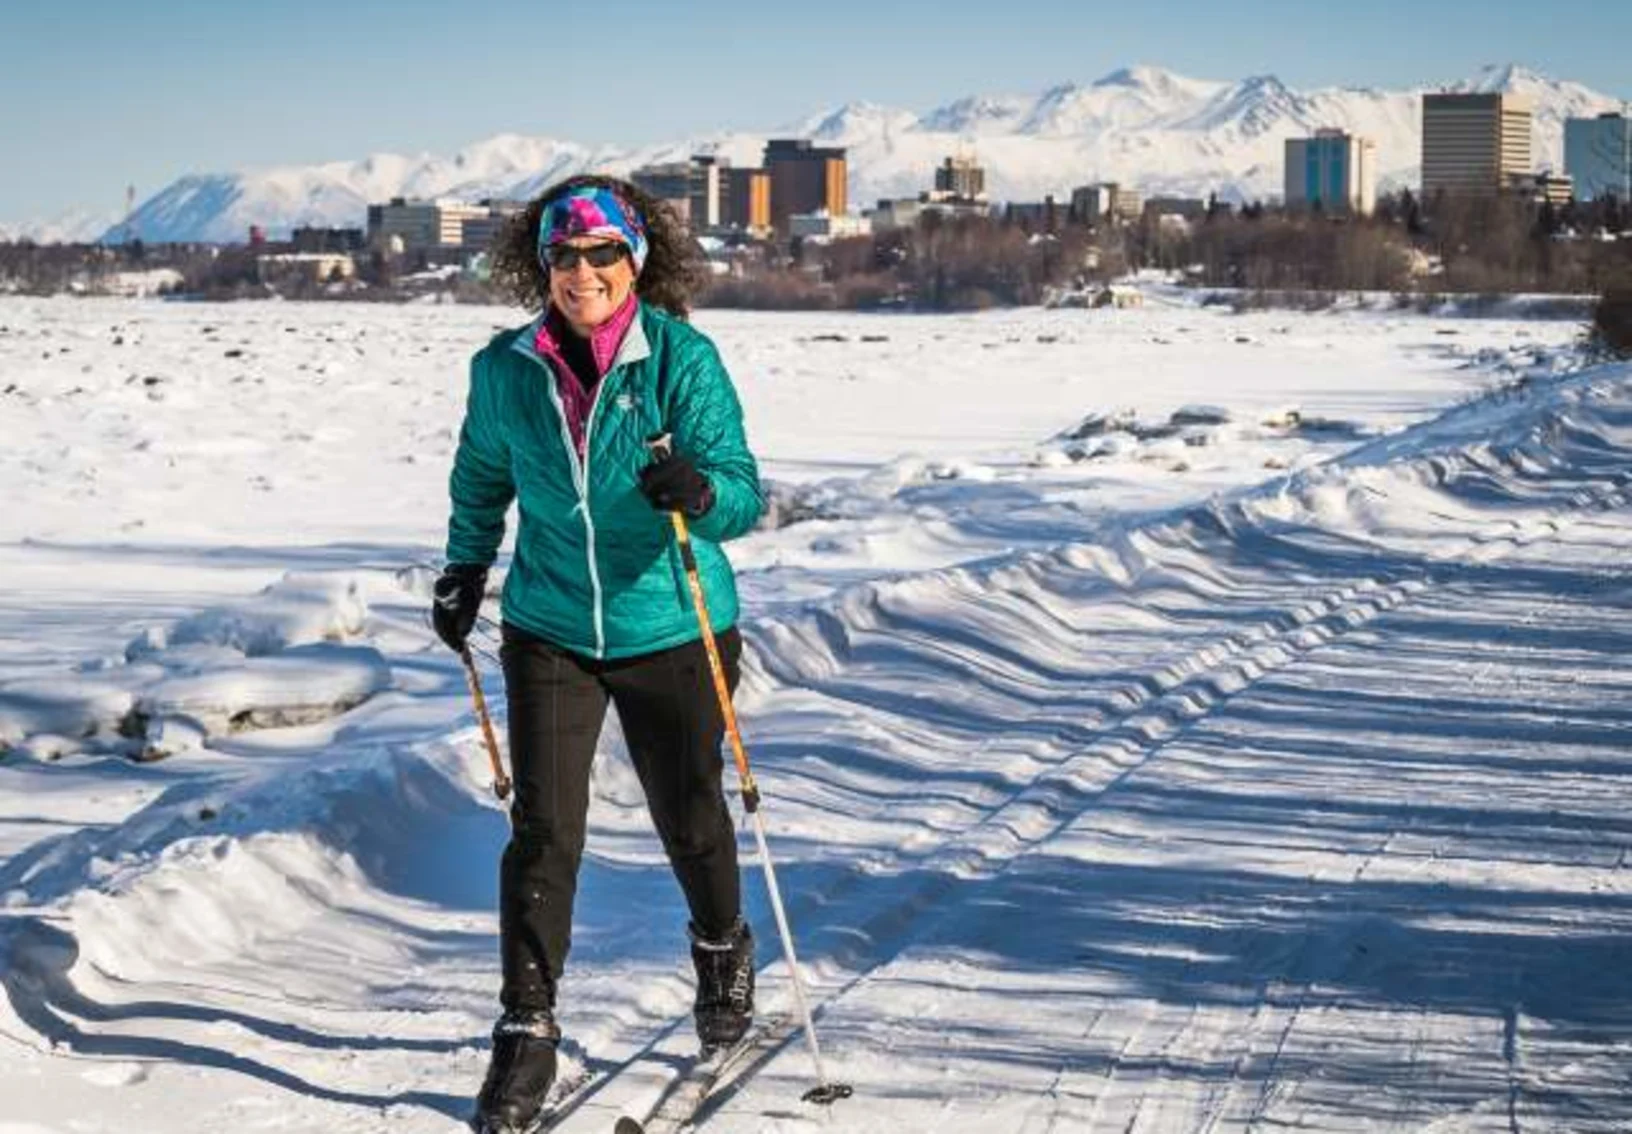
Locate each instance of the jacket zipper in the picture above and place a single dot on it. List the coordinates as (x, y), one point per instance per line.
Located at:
(580, 480)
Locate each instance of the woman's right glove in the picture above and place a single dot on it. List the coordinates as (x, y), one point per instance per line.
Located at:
(673, 484)
(458, 596)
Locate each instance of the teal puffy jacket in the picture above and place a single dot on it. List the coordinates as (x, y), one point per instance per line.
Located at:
(596, 570)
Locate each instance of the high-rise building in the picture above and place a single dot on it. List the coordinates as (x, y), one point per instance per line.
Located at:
(1333, 171)
(479, 232)
(691, 188)
(669, 182)
(314, 239)
(805, 179)
(1474, 143)
(1091, 204)
(745, 199)
(412, 225)
(1598, 156)
(961, 177)
(705, 191)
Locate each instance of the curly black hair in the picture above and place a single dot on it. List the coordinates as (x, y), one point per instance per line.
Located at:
(674, 271)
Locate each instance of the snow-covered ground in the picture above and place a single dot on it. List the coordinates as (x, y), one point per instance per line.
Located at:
(1168, 720)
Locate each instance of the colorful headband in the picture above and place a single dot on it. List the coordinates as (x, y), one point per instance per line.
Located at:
(592, 211)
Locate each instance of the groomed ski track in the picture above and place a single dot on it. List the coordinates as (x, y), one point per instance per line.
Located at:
(1305, 810)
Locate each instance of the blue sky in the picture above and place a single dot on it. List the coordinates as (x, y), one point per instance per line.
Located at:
(95, 95)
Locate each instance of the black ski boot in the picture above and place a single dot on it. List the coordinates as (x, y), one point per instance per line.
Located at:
(519, 1077)
(725, 985)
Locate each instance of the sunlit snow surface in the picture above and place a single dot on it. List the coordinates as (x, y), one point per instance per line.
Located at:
(1168, 720)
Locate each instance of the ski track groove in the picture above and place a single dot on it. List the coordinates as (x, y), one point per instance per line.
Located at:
(1267, 1080)
(1118, 1063)
(1293, 987)
(1160, 1060)
(1056, 1092)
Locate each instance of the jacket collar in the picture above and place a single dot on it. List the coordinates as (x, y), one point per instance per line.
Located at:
(634, 348)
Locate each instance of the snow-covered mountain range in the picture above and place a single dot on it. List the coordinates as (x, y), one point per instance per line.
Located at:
(65, 227)
(1161, 132)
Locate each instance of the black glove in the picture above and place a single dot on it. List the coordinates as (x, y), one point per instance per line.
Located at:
(459, 593)
(673, 484)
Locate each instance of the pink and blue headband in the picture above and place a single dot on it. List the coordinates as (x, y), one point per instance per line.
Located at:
(592, 211)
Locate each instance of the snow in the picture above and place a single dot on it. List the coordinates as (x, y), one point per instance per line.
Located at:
(1167, 720)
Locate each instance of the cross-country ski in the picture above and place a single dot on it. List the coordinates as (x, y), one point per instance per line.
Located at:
(699, 1077)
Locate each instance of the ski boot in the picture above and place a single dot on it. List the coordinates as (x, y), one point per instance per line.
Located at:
(519, 1077)
(725, 985)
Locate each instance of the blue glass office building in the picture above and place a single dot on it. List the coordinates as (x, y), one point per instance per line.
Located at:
(1333, 171)
(1598, 156)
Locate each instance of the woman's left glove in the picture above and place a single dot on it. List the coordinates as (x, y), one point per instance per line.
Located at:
(673, 484)
(458, 596)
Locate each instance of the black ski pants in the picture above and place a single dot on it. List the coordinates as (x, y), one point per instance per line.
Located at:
(671, 721)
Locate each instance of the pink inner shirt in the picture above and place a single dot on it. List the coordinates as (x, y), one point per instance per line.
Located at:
(577, 399)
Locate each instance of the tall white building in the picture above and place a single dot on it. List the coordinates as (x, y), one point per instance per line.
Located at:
(1334, 170)
(1598, 156)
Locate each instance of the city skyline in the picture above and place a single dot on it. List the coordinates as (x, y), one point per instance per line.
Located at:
(118, 96)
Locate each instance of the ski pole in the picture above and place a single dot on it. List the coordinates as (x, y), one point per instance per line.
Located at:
(825, 1091)
(501, 782)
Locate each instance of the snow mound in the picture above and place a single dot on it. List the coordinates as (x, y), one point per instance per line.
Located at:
(297, 609)
(296, 686)
(64, 706)
(280, 658)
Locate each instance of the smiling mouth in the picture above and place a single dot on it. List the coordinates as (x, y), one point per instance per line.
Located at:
(579, 295)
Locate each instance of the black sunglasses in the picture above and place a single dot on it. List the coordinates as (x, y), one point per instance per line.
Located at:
(565, 257)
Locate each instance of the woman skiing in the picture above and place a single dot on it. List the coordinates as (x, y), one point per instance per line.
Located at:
(595, 605)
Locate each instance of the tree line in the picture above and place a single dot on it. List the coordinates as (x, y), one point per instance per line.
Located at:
(219, 272)
(1448, 246)
(1470, 245)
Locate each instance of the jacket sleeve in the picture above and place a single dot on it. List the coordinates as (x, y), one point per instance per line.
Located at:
(481, 486)
(707, 424)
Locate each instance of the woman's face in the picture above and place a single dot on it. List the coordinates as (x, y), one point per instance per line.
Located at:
(585, 293)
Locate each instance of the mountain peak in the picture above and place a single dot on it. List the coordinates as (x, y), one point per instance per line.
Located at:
(854, 119)
(1161, 82)
(1144, 76)
(1267, 85)
(1257, 106)
(1511, 78)
(975, 114)
(1136, 76)
(1553, 99)
(1132, 98)
(1505, 76)
(1057, 93)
